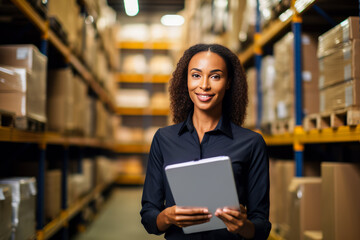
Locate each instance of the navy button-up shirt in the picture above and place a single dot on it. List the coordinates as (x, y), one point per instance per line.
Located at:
(180, 143)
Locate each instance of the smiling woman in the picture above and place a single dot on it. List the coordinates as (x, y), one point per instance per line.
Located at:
(208, 95)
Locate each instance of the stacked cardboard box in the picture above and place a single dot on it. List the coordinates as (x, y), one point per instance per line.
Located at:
(52, 193)
(284, 80)
(251, 115)
(88, 172)
(5, 211)
(23, 206)
(29, 99)
(60, 100)
(340, 200)
(79, 107)
(339, 58)
(305, 206)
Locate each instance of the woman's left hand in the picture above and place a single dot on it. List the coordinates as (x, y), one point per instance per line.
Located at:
(235, 220)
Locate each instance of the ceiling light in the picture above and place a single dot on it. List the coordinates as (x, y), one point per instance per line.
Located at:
(131, 7)
(172, 20)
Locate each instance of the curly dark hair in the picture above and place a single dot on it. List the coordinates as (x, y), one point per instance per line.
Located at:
(236, 97)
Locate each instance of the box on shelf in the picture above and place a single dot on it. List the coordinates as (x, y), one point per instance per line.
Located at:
(268, 91)
(251, 116)
(5, 211)
(28, 57)
(88, 172)
(160, 100)
(340, 200)
(76, 187)
(161, 64)
(284, 80)
(105, 171)
(139, 98)
(101, 120)
(135, 63)
(346, 31)
(79, 107)
(341, 65)
(131, 165)
(52, 193)
(305, 206)
(340, 96)
(23, 206)
(90, 117)
(60, 100)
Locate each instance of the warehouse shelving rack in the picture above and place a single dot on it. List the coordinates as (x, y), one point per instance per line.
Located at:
(299, 137)
(42, 139)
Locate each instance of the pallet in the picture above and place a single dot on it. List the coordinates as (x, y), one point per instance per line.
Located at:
(29, 124)
(333, 119)
(7, 119)
(282, 126)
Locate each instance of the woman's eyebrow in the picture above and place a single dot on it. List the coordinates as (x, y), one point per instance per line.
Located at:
(199, 70)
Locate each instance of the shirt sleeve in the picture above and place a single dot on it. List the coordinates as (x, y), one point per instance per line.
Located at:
(153, 191)
(258, 189)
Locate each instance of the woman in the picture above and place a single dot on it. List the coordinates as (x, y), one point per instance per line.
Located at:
(208, 94)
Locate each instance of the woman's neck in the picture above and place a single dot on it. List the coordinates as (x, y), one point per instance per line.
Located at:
(205, 121)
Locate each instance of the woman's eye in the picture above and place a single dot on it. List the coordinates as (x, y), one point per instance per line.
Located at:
(195, 75)
(216, 76)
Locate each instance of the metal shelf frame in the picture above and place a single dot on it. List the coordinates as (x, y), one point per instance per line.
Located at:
(49, 35)
(143, 78)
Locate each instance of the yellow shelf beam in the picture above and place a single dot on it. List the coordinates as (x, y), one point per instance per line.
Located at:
(329, 135)
(142, 111)
(145, 45)
(131, 148)
(55, 225)
(130, 179)
(275, 28)
(40, 23)
(142, 78)
(281, 139)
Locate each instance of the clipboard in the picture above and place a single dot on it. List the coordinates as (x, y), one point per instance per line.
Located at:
(204, 183)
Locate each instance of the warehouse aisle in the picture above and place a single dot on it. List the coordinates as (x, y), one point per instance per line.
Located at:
(119, 219)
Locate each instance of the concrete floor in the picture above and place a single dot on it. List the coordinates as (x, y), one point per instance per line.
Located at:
(119, 219)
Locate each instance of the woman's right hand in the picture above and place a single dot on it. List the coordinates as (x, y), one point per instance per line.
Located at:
(182, 217)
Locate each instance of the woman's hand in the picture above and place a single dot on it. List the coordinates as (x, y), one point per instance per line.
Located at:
(236, 221)
(182, 217)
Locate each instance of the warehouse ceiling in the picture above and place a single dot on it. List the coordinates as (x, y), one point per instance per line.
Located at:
(150, 6)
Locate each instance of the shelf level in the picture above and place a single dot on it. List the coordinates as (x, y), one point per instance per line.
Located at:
(55, 225)
(142, 78)
(131, 148)
(142, 111)
(275, 28)
(41, 24)
(145, 45)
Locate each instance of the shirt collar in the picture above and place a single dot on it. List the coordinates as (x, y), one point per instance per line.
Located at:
(223, 125)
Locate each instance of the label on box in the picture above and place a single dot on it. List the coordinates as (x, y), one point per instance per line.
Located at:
(347, 72)
(21, 53)
(306, 75)
(281, 110)
(322, 102)
(348, 96)
(347, 52)
(2, 197)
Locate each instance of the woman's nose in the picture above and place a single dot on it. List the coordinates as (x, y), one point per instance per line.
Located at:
(204, 84)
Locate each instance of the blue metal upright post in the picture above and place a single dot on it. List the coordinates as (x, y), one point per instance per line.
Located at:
(40, 212)
(258, 59)
(64, 194)
(298, 147)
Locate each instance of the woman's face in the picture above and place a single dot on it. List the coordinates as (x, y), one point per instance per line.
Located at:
(207, 81)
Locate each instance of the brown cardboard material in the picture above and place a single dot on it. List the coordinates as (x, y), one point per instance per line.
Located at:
(52, 193)
(346, 31)
(14, 102)
(340, 96)
(313, 235)
(341, 65)
(340, 200)
(305, 206)
(251, 116)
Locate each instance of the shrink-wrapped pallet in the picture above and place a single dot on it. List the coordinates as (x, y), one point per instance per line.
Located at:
(5, 211)
(23, 206)
(33, 90)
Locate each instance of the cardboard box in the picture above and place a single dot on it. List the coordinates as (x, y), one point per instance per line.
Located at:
(347, 30)
(12, 79)
(305, 206)
(5, 211)
(35, 63)
(23, 206)
(313, 235)
(340, 96)
(60, 100)
(251, 116)
(52, 193)
(341, 65)
(340, 200)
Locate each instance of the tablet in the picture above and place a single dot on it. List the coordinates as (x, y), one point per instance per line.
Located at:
(204, 183)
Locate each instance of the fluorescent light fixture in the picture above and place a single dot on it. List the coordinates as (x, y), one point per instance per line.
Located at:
(172, 20)
(131, 7)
